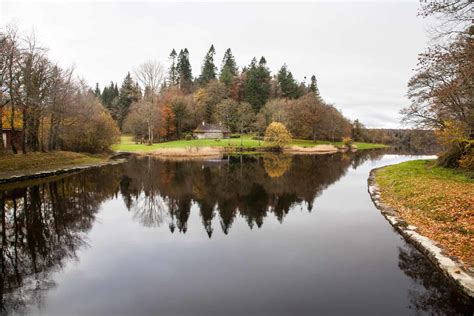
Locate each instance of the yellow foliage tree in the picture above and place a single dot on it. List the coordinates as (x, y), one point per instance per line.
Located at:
(277, 135)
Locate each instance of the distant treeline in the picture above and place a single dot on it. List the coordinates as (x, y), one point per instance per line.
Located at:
(157, 104)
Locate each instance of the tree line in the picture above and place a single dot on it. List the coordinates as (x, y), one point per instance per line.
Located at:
(157, 104)
(45, 103)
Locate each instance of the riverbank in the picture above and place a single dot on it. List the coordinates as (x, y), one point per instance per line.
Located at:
(433, 208)
(199, 147)
(37, 165)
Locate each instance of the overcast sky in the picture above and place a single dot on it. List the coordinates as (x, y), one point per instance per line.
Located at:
(362, 53)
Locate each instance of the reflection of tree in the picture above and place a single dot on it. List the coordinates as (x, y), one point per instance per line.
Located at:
(436, 299)
(276, 165)
(149, 209)
(243, 185)
(42, 227)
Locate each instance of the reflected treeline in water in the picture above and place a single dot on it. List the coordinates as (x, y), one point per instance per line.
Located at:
(43, 224)
(250, 186)
(436, 298)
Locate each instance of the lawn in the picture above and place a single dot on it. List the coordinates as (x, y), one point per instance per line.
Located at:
(127, 144)
(11, 164)
(439, 201)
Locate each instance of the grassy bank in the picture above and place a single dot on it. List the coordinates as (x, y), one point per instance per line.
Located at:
(34, 162)
(439, 201)
(127, 144)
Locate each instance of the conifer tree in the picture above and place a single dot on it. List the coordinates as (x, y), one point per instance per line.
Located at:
(184, 71)
(127, 95)
(314, 86)
(172, 73)
(97, 91)
(208, 70)
(257, 84)
(229, 69)
(288, 86)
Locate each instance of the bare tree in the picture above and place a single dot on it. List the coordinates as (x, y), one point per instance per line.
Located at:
(150, 75)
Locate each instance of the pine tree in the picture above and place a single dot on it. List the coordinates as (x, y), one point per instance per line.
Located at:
(97, 91)
(172, 73)
(314, 86)
(288, 86)
(184, 71)
(257, 84)
(127, 95)
(208, 70)
(229, 69)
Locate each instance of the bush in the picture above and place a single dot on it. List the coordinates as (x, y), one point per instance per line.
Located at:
(347, 142)
(277, 134)
(92, 130)
(188, 137)
(458, 155)
(234, 135)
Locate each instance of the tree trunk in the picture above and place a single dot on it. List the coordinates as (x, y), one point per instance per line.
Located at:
(2, 147)
(12, 124)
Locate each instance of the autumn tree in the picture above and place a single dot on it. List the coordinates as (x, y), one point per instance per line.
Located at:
(277, 135)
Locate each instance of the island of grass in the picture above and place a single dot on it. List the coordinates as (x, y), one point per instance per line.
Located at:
(21, 166)
(436, 200)
(248, 142)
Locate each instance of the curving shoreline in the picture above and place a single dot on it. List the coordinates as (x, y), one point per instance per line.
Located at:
(452, 269)
(58, 171)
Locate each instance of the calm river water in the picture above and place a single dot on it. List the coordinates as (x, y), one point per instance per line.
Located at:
(267, 235)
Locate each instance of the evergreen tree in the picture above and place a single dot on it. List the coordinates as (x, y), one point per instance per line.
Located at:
(172, 73)
(184, 71)
(97, 91)
(314, 86)
(229, 69)
(257, 84)
(288, 86)
(127, 95)
(208, 70)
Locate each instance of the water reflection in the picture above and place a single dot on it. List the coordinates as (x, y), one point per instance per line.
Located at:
(45, 224)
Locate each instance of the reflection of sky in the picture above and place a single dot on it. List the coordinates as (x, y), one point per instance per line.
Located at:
(344, 248)
(362, 53)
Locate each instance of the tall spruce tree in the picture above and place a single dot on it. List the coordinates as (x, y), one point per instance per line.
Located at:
(208, 70)
(257, 84)
(97, 91)
(229, 69)
(127, 95)
(288, 85)
(185, 76)
(314, 87)
(172, 73)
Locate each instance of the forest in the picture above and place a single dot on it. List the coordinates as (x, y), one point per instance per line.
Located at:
(49, 108)
(166, 104)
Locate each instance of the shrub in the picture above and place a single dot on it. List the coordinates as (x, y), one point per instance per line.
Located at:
(347, 142)
(277, 134)
(188, 137)
(234, 135)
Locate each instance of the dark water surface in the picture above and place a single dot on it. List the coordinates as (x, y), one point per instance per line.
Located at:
(269, 235)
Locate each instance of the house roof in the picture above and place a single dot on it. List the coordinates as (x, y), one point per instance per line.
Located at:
(210, 128)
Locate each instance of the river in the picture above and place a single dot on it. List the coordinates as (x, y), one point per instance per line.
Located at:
(249, 235)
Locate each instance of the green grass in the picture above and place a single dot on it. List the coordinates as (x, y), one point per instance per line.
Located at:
(127, 144)
(11, 164)
(436, 200)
